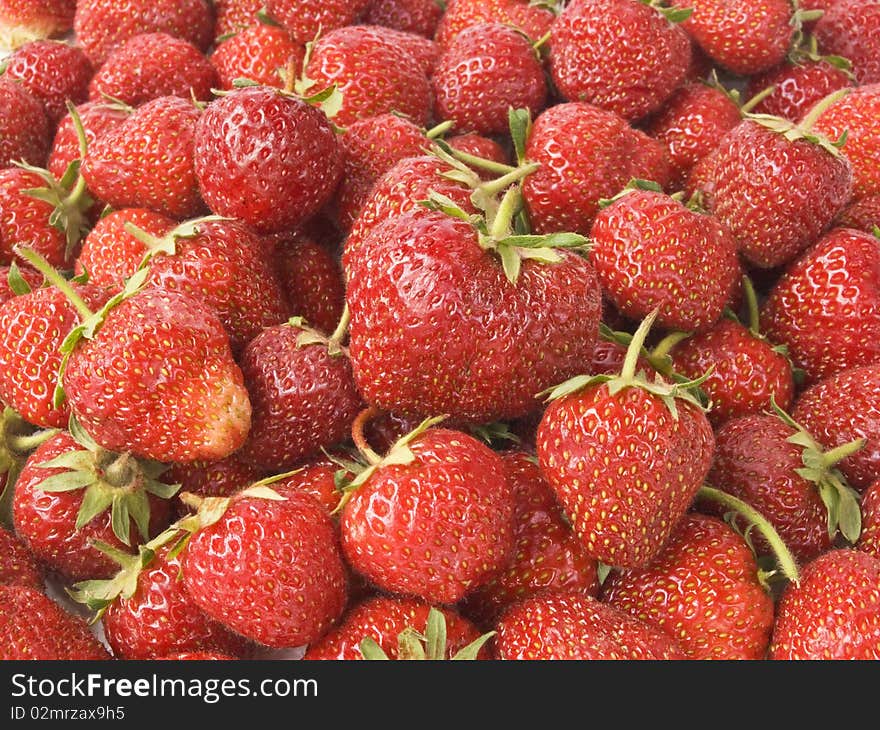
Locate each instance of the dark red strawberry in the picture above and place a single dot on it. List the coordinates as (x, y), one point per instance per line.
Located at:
(411, 16)
(269, 569)
(381, 620)
(625, 455)
(869, 539)
(220, 478)
(306, 20)
(25, 132)
(96, 119)
(102, 26)
(34, 627)
(573, 626)
(826, 307)
(842, 408)
(861, 213)
(851, 28)
(627, 57)
(703, 589)
(53, 72)
(23, 21)
(19, 566)
(832, 613)
(262, 53)
(433, 518)
(266, 157)
(151, 65)
(147, 160)
(534, 20)
(234, 16)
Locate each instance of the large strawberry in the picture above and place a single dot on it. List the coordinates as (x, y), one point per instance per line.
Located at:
(851, 28)
(266, 157)
(625, 455)
(262, 53)
(25, 132)
(825, 308)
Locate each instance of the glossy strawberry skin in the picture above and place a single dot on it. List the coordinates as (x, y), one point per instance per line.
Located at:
(270, 570)
(566, 626)
(651, 251)
(383, 618)
(151, 65)
(20, 566)
(841, 408)
(410, 335)
(25, 132)
(619, 55)
(832, 612)
(623, 469)
(798, 86)
(746, 370)
(34, 627)
(434, 528)
(851, 28)
(534, 20)
(826, 306)
(410, 16)
(97, 118)
(869, 538)
(262, 53)
(305, 20)
(129, 406)
(702, 589)
(248, 142)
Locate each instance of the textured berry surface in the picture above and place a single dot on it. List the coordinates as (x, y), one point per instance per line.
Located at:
(25, 131)
(20, 566)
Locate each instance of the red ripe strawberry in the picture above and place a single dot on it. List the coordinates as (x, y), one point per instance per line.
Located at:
(102, 26)
(266, 157)
(32, 328)
(651, 158)
(856, 114)
(373, 71)
(477, 145)
(188, 404)
(869, 538)
(842, 408)
(302, 393)
(433, 519)
(585, 154)
(573, 626)
(158, 617)
(383, 619)
(547, 556)
(832, 613)
(220, 478)
(534, 20)
(150, 65)
(467, 337)
(319, 477)
(651, 251)
(424, 50)
(96, 118)
(625, 456)
(306, 19)
(484, 71)
(743, 37)
(826, 306)
(34, 627)
(268, 569)
(703, 589)
(861, 213)
(410, 16)
(23, 21)
(262, 53)
(802, 182)
(25, 132)
(19, 566)
(851, 28)
(234, 16)
(53, 72)
(624, 56)
(69, 495)
(311, 277)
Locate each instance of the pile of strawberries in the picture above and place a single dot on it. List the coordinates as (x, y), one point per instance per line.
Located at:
(484, 329)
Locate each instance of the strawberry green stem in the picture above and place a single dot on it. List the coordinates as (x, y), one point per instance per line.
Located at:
(501, 223)
(819, 108)
(839, 453)
(479, 162)
(341, 328)
(24, 443)
(664, 347)
(633, 350)
(54, 278)
(751, 298)
(440, 129)
(357, 434)
(757, 99)
(496, 186)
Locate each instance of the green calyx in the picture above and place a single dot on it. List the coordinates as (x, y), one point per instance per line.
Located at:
(18, 439)
(167, 244)
(633, 185)
(672, 14)
(430, 646)
(328, 100)
(310, 336)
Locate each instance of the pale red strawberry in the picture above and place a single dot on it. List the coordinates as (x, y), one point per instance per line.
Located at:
(411, 16)
(851, 28)
(19, 566)
(262, 53)
(305, 20)
(869, 539)
(25, 132)
(534, 20)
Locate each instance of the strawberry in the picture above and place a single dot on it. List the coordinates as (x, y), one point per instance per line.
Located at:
(147, 160)
(25, 132)
(221, 478)
(34, 627)
(302, 393)
(20, 566)
(532, 19)
(478, 145)
(861, 213)
(23, 21)
(650, 251)
(102, 26)
(625, 457)
(869, 538)
(573, 626)
(832, 613)
(851, 28)
(593, 57)
(410, 16)
(825, 308)
(151, 65)
(269, 569)
(383, 619)
(842, 408)
(53, 72)
(262, 53)
(96, 118)
(744, 37)
(320, 477)
(374, 72)
(234, 16)
(487, 69)
(295, 143)
(547, 557)
(432, 519)
(424, 50)
(651, 158)
(703, 589)
(305, 20)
